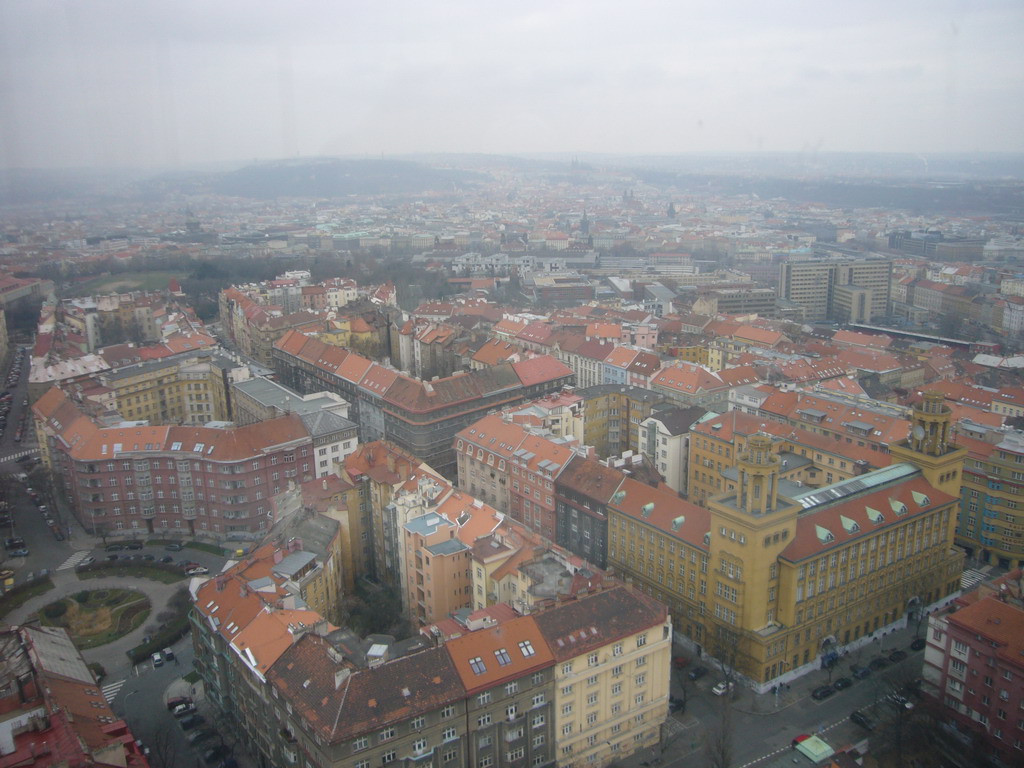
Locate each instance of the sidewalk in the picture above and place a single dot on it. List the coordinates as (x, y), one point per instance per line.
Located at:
(751, 703)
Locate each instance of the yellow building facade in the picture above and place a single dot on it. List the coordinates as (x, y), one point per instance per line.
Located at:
(775, 584)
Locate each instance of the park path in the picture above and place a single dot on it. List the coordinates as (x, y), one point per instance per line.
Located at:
(112, 655)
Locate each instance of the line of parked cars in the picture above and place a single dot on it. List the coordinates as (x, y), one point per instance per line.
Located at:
(184, 709)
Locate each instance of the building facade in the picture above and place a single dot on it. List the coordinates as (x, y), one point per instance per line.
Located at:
(770, 584)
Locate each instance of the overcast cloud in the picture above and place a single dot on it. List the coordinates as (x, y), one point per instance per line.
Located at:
(155, 83)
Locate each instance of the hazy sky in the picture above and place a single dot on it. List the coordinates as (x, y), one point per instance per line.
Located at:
(155, 83)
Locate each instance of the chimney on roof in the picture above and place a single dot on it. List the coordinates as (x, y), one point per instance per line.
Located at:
(278, 556)
(340, 676)
(220, 581)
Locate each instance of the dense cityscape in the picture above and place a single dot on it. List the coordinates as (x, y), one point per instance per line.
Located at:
(568, 465)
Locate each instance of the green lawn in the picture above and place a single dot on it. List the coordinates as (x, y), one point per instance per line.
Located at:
(122, 282)
(126, 610)
(20, 595)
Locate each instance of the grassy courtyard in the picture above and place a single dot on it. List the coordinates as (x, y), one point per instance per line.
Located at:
(99, 616)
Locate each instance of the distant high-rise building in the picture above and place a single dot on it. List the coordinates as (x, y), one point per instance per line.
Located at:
(844, 289)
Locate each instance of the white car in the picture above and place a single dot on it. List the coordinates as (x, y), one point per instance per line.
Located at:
(722, 688)
(197, 571)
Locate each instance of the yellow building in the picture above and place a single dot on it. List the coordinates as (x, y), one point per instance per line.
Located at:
(773, 585)
(808, 459)
(612, 414)
(612, 653)
(180, 390)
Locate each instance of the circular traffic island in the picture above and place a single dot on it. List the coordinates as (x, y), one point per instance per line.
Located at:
(95, 617)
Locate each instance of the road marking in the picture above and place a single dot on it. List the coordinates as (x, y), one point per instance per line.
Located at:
(779, 751)
(19, 454)
(110, 690)
(73, 560)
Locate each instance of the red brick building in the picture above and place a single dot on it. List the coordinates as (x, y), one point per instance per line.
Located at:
(218, 481)
(974, 668)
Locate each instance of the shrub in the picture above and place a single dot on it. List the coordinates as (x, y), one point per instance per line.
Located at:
(55, 610)
(82, 597)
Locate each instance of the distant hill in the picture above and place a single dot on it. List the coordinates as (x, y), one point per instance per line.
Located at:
(330, 177)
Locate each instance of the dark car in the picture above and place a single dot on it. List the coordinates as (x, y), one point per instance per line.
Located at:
(859, 672)
(899, 701)
(841, 683)
(190, 722)
(200, 736)
(174, 547)
(697, 673)
(897, 656)
(111, 558)
(218, 752)
(863, 720)
(676, 704)
(133, 545)
(21, 552)
(148, 557)
(680, 661)
(822, 692)
(166, 559)
(918, 644)
(117, 547)
(877, 664)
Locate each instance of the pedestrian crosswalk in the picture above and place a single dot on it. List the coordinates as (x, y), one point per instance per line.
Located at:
(971, 578)
(73, 560)
(18, 455)
(111, 689)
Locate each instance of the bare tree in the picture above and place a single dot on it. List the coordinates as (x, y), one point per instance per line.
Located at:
(163, 747)
(718, 743)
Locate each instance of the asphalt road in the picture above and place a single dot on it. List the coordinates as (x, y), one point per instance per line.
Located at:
(764, 725)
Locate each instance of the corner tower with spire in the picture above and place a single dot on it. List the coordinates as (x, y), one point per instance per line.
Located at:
(930, 446)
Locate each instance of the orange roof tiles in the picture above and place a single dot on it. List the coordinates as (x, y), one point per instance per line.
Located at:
(510, 650)
(541, 369)
(664, 510)
(835, 516)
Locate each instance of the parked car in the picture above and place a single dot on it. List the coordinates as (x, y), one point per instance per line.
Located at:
(200, 736)
(859, 672)
(166, 559)
(168, 654)
(158, 660)
(841, 683)
(20, 552)
(723, 688)
(918, 644)
(174, 547)
(115, 547)
(190, 722)
(879, 663)
(679, 662)
(897, 656)
(133, 545)
(148, 557)
(822, 692)
(676, 704)
(183, 709)
(111, 558)
(696, 673)
(899, 701)
(197, 571)
(177, 701)
(218, 752)
(863, 720)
